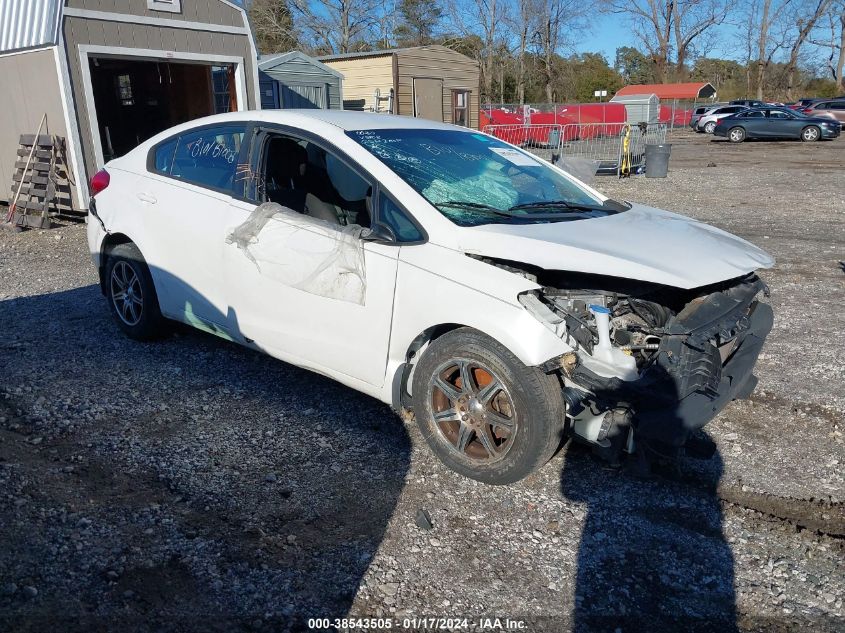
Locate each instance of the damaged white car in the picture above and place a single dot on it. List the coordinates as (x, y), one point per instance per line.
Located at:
(440, 270)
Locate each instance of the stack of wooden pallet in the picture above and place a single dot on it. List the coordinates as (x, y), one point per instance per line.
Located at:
(40, 184)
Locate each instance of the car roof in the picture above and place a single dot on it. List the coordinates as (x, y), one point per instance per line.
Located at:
(344, 119)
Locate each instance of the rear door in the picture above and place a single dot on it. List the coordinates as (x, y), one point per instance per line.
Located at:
(755, 123)
(186, 193)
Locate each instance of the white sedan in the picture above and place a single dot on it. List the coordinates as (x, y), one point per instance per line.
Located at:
(440, 270)
(707, 122)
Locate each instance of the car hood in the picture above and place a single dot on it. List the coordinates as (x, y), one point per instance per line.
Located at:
(642, 243)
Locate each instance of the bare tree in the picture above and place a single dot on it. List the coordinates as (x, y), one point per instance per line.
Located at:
(483, 18)
(523, 25)
(766, 18)
(691, 21)
(556, 20)
(339, 26)
(273, 25)
(667, 26)
(805, 17)
(836, 59)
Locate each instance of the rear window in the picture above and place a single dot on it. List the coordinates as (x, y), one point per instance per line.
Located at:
(207, 157)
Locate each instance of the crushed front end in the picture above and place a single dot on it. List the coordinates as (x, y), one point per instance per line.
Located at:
(650, 364)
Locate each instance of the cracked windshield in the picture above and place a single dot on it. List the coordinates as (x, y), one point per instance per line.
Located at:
(475, 179)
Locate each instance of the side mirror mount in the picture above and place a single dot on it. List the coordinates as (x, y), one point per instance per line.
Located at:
(380, 234)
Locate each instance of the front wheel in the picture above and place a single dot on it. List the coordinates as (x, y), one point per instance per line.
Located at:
(709, 127)
(736, 135)
(810, 134)
(483, 413)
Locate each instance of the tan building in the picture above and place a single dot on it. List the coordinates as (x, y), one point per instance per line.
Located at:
(111, 73)
(432, 82)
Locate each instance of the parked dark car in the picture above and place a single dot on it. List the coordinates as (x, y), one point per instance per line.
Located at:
(776, 123)
(748, 103)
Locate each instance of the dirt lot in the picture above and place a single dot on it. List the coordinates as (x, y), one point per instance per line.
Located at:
(194, 485)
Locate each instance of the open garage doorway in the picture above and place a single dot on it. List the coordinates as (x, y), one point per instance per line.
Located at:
(135, 100)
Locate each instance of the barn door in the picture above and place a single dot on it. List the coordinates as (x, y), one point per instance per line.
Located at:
(294, 96)
(428, 98)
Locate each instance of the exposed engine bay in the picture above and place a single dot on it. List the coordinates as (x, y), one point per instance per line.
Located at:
(649, 361)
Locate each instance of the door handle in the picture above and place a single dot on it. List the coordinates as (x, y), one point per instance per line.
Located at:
(146, 197)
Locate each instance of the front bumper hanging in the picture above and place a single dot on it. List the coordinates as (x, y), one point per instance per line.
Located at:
(689, 382)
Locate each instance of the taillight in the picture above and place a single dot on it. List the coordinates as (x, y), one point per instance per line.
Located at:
(99, 182)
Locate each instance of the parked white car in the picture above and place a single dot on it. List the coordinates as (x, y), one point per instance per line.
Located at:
(707, 122)
(440, 270)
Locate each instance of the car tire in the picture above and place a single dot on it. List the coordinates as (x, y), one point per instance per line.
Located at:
(810, 134)
(505, 425)
(736, 134)
(709, 127)
(131, 294)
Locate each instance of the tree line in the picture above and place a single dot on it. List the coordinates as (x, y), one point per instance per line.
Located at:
(782, 49)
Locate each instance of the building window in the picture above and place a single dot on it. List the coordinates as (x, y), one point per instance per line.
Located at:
(171, 6)
(223, 88)
(460, 107)
(124, 90)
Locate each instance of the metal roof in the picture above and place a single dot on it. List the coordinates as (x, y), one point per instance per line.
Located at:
(634, 98)
(269, 62)
(698, 90)
(28, 24)
(381, 53)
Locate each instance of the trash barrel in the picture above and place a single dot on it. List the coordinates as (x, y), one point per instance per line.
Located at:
(657, 160)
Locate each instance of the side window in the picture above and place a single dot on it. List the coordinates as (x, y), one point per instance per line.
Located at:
(164, 156)
(306, 178)
(837, 105)
(460, 107)
(208, 157)
(394, 218)
(757, 114)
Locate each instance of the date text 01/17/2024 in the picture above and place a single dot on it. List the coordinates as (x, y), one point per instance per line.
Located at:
(417, 624)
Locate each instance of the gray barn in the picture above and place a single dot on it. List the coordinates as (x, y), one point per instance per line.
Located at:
(111, 73)
(295, 80)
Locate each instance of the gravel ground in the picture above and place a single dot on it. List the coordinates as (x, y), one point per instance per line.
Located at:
(195, 485)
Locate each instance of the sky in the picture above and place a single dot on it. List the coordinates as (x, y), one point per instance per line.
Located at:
(609, 33)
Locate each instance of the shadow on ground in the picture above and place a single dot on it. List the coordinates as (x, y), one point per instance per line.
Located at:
(188, 484)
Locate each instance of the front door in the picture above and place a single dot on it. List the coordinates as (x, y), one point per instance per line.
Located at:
(311, 294)
(301, 282)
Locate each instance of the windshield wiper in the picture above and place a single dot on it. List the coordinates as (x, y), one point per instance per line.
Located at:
(476, 206)
(551, 204)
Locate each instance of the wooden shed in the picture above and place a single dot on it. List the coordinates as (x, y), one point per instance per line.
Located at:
(295, 80)
(432, 82)
(110, 74)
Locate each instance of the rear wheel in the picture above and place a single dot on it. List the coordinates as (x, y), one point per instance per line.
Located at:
(810, 134)
(483, 413)
(131, 294)
(736, 135)
(709, 127)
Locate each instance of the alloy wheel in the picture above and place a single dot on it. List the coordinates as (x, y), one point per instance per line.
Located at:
(473, 410)
(810, 134)
(126, 293)
(737, 135)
